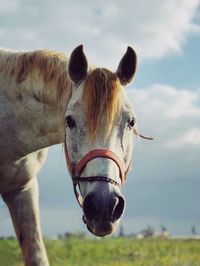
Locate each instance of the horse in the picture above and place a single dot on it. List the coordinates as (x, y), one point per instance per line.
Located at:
(47, 98)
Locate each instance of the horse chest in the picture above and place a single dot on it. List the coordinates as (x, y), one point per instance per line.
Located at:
(8, 127)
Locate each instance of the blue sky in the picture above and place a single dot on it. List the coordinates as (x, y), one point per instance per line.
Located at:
(163, 186)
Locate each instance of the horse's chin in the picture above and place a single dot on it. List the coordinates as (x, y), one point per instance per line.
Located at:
(100, 228)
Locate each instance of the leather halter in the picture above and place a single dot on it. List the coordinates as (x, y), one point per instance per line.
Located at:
(76, 169)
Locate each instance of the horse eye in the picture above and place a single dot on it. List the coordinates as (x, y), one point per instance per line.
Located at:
(70, 122)
(131, 123)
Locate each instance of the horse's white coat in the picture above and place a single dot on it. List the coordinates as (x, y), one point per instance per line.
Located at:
(29, 124)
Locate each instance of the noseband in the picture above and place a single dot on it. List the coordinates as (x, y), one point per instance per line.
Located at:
(76, 169)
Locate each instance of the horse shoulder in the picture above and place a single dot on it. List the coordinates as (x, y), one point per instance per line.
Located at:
(16, 175)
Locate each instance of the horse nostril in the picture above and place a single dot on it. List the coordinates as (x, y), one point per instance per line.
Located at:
(89, 208)
(118, 208)
(103, 209)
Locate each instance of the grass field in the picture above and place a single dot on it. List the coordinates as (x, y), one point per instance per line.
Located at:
(110, 252)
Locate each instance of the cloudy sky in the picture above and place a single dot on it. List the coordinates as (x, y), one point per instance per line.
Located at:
(164, 184)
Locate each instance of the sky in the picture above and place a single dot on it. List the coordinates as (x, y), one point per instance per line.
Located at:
(163, 186)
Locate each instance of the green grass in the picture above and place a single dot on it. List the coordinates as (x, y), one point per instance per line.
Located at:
(110, 252)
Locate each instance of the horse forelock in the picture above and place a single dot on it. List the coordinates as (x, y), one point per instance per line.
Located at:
(101, 100)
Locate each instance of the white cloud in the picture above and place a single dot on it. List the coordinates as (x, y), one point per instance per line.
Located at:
(9, 6)
(189, 138)
(171, 102)
(154, 27)
(172, 115)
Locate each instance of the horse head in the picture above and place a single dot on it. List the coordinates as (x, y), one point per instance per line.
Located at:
(99, 138)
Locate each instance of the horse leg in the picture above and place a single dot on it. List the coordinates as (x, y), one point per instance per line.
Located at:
(24, 210)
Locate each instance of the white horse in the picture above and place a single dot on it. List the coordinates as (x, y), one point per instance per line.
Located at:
(46, 99)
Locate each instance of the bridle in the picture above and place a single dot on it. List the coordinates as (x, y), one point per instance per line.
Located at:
(76, 169)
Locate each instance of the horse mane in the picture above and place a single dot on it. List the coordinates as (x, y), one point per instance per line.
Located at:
(101, 100)
(49, 66)
(102, 89)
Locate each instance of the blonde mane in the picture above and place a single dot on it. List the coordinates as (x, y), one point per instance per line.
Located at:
(49, 66)
(101, 100)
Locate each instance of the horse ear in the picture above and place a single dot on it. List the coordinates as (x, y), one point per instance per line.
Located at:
(78, 65)
(127, 66)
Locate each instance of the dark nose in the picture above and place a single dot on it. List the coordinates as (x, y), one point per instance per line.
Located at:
(101, 208)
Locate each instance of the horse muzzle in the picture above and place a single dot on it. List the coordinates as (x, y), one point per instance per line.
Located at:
(102, 212)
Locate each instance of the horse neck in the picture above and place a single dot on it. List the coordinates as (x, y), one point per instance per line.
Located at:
(36, 113)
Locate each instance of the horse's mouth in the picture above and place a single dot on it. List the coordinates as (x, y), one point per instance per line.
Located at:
(99, 229)
(85, 221)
